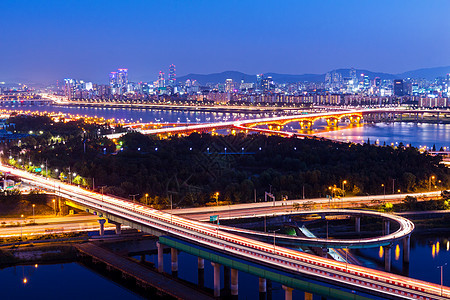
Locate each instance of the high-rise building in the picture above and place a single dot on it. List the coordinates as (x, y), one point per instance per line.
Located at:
(398, 87)
(172, 75)
(259, 80)
(69, 88)
(118, 81)
(122, 78)
(229, 86)
(267, 84)
(112, 79)
(161, 80)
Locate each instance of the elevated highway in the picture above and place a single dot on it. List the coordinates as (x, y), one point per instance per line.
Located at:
(381, 284)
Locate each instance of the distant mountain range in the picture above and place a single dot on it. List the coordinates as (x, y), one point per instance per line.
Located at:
(428, 73)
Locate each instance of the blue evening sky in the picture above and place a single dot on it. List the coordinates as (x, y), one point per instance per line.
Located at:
(48, 40)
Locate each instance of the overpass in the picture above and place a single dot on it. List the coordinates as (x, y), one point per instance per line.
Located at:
(159, 223)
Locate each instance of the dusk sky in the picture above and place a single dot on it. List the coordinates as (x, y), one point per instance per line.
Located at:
(48, 40)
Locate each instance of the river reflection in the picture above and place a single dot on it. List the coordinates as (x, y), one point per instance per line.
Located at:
(69, 281)
(417, 135)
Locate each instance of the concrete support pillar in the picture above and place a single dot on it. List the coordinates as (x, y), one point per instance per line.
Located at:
(118, 228)
(160, 248)
(216, 279)
(102, 226)
(287, 292)
(234, 282)
(201, 272)
(201, 263)
(174, 260)
(358, 224)
(406, 248)
(142, 258)
(387, 258)
(262, 285)
(308, 296)
(386, 227)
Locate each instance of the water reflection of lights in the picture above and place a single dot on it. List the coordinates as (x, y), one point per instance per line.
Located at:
(381, 252)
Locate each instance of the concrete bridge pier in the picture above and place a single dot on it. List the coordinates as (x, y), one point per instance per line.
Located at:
(387, 226)
(358, 224)
(174, 261)
(216, 279)
(262, 288)
(201, 271)
(234, 283)
(387, 258)
(406, 248)
(308, 296)
(118, 228)
(287, 292)
(160, 248)
(102, 227)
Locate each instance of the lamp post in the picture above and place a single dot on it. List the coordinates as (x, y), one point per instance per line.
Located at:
(384, 190)
(146, 199)
(429, 182)
(101, 188)
(343, 187)
(34, 220)
(216, 195)
(21, 221)
(442, 276)
(274, 235)
(54, 206)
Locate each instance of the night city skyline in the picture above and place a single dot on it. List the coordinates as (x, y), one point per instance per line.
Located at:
(55, 40)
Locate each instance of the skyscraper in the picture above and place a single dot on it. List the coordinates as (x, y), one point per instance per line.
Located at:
(122, 77)
(229, 86)
(69, 88)
(112, 79)
(172, 75)
(118, 81)
(259, 80)
(161, 80)
(398, 87)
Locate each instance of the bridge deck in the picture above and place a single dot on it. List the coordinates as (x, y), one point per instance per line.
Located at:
(152, 278)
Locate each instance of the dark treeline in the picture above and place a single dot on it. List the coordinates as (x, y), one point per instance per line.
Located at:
(192, 169)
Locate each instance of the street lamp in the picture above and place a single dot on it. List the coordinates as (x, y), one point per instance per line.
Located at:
(146, 199)
(54, 205)
(384, 190)
(21, 221)
(343, 187)
(216, 195)
(442, 276)
(34, 220)
(274, 234)
(429, 182)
